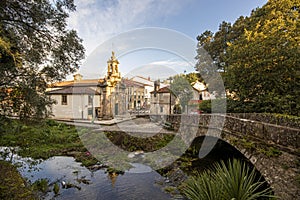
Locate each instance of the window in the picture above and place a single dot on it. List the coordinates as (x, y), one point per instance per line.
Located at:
(200, 96)
(64, 100)
(161, 96)
(161, 109)
(90, 100)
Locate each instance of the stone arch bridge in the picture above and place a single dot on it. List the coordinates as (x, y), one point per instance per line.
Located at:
(272, 149)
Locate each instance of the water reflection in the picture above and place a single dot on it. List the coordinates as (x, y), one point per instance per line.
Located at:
(85, 184)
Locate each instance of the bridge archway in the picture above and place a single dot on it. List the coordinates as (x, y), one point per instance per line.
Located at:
(222, 151)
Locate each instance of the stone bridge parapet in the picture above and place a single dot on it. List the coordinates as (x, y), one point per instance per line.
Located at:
(272, 149)
(282, 136)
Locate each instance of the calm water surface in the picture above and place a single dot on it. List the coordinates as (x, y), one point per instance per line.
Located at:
(97, 185)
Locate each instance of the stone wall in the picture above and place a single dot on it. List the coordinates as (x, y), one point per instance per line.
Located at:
(278, 119)
(282, 136)
(272, 149)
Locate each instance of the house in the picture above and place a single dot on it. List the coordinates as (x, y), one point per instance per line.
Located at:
(80, 98)
(202, 91)
(148, 87)
(135, 94)
(162, 100)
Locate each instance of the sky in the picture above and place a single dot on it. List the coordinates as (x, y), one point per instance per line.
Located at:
(148, 35)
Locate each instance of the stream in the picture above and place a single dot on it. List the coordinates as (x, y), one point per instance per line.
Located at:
(87, 184)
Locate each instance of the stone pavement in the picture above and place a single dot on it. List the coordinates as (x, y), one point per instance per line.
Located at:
(132, 125)
(116, 120)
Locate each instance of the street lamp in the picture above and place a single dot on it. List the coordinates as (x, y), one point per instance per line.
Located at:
(170, 95)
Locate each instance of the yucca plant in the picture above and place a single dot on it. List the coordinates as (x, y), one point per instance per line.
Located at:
(234, 181)
(202, 187)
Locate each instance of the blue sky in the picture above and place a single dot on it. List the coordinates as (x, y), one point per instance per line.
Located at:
(100, 21)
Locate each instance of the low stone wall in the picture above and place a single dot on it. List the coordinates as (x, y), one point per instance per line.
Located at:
(282, 120)
(269, 133)
(285, 137)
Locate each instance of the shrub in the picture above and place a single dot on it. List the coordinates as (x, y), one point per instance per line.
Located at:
(232, 181)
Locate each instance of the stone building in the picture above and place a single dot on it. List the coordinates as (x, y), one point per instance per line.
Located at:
(80, 98)
(148, 86)
(162, 100)
(135, 97)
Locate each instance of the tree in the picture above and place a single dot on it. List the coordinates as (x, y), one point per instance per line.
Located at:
(215, 44)
(263, 64)
(35, 48)
(193, 77)
(182, 89)
(258, 57)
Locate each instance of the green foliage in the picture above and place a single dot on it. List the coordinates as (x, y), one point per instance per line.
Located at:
(205, 106)
(215, 44)
(218, 105)
(283, 119)
(260, 57)
(41, 185)
(232, 181)
(170, 189)
(182, 89)
(41, 140)
(271, 152)
(56, 188)
(263, 64)
(130, 143)
(12, 185)
(193, 77)
(35, 48)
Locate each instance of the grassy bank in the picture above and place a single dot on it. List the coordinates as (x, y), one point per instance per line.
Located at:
(12, 185)
(44, 139)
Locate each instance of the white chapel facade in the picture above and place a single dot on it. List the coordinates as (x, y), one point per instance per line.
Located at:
(80, 98)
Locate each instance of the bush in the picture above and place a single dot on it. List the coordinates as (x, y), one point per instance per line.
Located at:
(219, 106)
(232, 181)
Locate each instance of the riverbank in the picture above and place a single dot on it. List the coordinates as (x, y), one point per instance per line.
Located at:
(44, 139)
(12, 184)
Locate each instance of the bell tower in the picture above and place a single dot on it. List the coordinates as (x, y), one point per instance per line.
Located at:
(111, 99)
(113, 74)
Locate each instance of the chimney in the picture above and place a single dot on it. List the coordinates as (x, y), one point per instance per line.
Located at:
(77, 77)
(156, 87)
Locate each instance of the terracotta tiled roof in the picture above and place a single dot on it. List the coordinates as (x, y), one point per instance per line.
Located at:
(162, 90)
(131, 83)
(87, 82)
(74, 90)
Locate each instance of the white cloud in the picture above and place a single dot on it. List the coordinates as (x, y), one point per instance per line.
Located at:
(179, 66)
(97, 21)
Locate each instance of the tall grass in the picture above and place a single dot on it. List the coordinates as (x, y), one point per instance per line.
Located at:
(231, 181)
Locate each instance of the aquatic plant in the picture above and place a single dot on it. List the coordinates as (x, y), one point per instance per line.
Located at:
(56, 188)
(41, 185)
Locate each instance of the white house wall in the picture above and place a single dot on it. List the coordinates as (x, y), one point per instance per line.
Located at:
(76, 108)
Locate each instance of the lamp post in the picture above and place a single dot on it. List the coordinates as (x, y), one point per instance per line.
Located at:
(170, 100)
(92, 99)
(100, 109)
